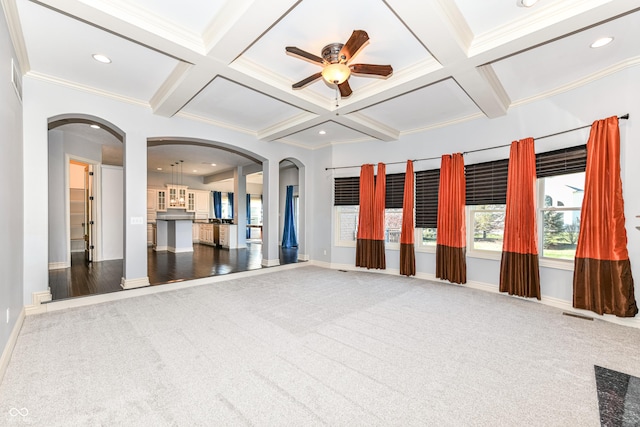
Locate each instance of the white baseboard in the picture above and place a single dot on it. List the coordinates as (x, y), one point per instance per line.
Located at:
(160, 248)
(59, 265)
(134, 283)
(37, 300)
(11, 343)
(180, 250)
(270, 262)
(303, 257)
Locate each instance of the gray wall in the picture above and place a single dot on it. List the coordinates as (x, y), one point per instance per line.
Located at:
(12, 227)
(111, 218)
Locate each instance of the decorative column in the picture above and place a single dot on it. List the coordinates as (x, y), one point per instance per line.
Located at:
(240, 205)
(270, 177)
(135, 212)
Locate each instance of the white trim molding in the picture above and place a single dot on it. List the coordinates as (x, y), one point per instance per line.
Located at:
(270, 262)
(140, 282)
(11, 343)
(303, 257)
(179, 250)
(37, 300)
(59, 265)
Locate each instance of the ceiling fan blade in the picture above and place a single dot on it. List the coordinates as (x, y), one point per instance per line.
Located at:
(377, 70)
(294, 51)
(302, 83)
(345, 89)
(357, 41)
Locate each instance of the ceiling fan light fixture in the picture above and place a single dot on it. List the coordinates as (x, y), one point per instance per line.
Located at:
(336, 73)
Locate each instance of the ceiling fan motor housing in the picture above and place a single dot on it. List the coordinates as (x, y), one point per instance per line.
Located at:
(331, 53)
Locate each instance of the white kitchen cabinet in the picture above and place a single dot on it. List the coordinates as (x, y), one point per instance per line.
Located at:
(177, 196)
(196, 233)
(206, 234)
(229, 236)
(150, 234)
(161, 200)
(202, 204)
(191, 201)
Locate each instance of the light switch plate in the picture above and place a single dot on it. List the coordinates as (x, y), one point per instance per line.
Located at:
(136, 220)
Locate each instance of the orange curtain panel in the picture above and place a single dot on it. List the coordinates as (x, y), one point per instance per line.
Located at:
(378, 256)
(602, 280)
(451, 263)
(519, 269)
(407, 249)
(370, 242)
(365, 216)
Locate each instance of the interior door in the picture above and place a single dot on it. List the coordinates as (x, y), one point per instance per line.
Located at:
(89, 228)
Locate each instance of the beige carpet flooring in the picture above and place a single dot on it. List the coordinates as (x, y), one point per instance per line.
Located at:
(311, 346)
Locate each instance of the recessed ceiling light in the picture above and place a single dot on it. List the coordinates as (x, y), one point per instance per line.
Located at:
(159, 169)
(602, 42)
(195, 170)
(95, 126)
(213, 164)
(322, 132)
(101, 58)
(527, 3)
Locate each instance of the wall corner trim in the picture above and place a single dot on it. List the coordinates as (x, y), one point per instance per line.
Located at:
(37, 306)
(11, 343)
(140, 282)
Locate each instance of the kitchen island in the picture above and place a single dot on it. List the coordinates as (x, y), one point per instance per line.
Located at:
(174, 235)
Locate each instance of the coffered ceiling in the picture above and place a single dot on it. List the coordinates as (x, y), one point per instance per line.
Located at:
(224, 61)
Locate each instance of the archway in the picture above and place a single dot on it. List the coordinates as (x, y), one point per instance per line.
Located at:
(292, 174)
(85, 205)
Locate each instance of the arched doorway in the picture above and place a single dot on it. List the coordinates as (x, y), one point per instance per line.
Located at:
(85, 205)
(292, 202)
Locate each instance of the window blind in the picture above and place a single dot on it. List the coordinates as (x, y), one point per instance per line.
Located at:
(347, 191)
(395, 190)
(561, 162)
(427, 183)
(487, 182)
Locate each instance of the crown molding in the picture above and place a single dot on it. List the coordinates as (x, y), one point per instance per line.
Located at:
(195, 117)
(149, 21)
(620, 66)
(16, 34)
(444, 124)
(84, 88)
(538, 20)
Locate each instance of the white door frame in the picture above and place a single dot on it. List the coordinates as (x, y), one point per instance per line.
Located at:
(97, 205)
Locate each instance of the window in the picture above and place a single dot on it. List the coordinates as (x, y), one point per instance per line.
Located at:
(347, 226)
(560, 189)
(560, 202)
(427, 183)
(256, 209)
(487, 223)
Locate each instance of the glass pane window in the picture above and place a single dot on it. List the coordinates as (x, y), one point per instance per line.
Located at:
(427, 237)
(347, 225)
(560, 205)
(487, 223)
(256, 209)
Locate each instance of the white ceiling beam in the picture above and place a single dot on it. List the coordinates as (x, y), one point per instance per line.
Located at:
(485, 89)
(111, 17)
(363, 124)
(240, 23)
(293, 125)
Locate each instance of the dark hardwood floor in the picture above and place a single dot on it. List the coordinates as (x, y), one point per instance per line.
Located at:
(84, 278)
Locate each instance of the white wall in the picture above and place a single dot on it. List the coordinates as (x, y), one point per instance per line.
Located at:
(111, 217)
(12, 227)
(615, 94)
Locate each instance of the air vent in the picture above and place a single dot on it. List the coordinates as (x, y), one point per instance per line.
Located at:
(16, 79)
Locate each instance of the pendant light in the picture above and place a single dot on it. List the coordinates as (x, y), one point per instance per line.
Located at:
(181, 196)
(172, 200)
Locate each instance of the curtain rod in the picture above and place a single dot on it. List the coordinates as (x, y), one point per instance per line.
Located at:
(623, 117)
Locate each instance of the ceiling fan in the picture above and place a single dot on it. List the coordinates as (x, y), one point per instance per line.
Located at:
(335, 59)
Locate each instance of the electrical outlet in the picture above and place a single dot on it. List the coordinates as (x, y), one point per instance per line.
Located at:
(325, 251)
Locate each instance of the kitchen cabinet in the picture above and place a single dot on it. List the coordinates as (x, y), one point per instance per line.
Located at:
(206, 234)
(195, 232)
(202, 204)
(191, 201)
(150, 234)
(229, 236)
(152, 205)
(161, 200)
(177, 196)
